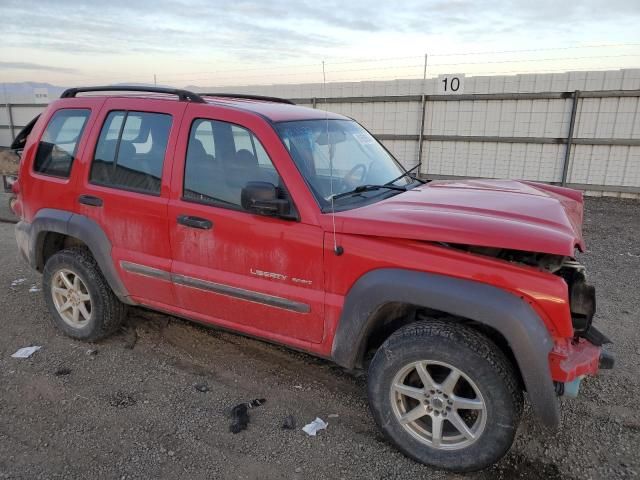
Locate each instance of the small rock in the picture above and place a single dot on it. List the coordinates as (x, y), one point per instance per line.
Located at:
(92, 352)
(171, 453)
(62, 371)
(201, 387)
(289, 423)
(298, 470)
(122, 400)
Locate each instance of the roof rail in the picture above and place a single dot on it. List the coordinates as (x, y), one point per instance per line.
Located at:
(183, 95)
(249, 97)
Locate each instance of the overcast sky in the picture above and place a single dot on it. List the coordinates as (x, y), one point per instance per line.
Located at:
(284, 41)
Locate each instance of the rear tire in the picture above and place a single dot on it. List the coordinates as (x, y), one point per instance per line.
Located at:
(79, 298)
(445, 395)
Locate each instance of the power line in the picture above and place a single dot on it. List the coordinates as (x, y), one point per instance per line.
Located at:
(316, 66)
(536, 50)
(536, 60)
(400, 65)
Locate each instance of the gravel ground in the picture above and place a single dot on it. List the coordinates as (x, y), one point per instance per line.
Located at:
(128, 407)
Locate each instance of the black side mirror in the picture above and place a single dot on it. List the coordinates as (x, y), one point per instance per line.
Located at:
(261, 198)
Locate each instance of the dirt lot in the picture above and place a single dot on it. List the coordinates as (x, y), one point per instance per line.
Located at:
(129, 408)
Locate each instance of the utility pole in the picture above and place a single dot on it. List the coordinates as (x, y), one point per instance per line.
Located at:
(154, 80)
(424, 106)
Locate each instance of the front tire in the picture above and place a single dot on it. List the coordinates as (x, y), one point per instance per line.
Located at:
(445, 395)
(79, 298)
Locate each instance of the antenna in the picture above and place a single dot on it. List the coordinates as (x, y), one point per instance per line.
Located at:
(336, 249)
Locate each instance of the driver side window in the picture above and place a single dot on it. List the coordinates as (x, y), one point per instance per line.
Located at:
(221, 159)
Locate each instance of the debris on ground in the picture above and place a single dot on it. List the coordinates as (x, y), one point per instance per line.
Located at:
(62, 371)
(92, 352)
(289, 423)
(18, 281)
(201, 387)
(34, 288)
(314, 427)
(26, 352)
(130, 337)
(240, 414)
(333, 415)
(122, 400)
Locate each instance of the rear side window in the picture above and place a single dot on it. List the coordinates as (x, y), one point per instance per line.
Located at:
(59, 142)
(130, 151)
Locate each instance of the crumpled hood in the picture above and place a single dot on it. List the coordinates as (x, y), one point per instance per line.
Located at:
(510, 214)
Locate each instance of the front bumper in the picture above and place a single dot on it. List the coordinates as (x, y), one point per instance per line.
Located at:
(571, 359)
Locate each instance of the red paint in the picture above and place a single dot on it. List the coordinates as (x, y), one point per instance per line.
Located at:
(572, 359)
(136, 223)
(401, 232)
(490, 213)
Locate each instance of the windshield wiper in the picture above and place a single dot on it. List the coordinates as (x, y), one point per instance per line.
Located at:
(407, 174)
(368, 188)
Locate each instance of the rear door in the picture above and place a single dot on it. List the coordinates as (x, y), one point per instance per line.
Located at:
(125, 190)
(262, 275)
(50, 170)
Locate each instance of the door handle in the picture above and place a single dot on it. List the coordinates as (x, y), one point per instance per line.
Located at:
(90, 200)
(195, 222)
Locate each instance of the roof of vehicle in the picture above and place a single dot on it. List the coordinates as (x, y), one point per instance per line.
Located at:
(273, 108)
(276, 112)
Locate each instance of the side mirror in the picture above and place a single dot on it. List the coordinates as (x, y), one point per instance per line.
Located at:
(261, 198)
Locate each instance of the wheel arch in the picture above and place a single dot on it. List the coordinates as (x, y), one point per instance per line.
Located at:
(63, 229)
(395, 292)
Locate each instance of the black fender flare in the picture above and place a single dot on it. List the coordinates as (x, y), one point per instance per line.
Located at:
(503, 311)
(30, 237)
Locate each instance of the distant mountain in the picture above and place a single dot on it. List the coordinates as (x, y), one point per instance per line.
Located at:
(39, 92)
(29, 92)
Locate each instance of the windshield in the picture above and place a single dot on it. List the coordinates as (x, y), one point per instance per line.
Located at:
(338, 156)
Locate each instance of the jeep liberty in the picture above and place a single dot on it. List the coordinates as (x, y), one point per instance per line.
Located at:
(296, 226)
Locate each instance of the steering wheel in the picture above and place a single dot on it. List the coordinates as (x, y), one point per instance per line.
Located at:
(350, 181)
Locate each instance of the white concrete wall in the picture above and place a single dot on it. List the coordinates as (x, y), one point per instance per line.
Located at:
(614, 168)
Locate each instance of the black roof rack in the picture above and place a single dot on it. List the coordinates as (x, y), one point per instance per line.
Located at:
(183, 95)
(249, 97)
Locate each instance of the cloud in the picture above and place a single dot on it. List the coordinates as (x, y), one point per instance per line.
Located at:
(156, 26)
(35, 66)
(218, 32)
(293, 28)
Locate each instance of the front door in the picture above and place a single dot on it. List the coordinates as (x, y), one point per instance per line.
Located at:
(125, 190)
(260, 275)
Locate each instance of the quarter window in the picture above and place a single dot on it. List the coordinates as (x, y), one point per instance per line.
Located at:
(130, 151)
(59, 143)
(221, 159)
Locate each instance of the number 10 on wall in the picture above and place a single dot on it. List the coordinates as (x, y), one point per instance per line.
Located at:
(450, 84)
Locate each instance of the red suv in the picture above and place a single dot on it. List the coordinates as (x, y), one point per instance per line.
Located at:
(297, 226)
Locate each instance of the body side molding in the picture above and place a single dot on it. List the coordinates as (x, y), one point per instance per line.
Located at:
(145, 270)
(523, 329)
(219, 288)
(241, 293)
